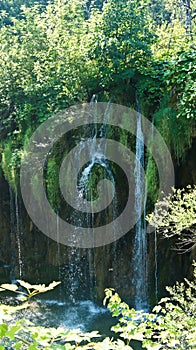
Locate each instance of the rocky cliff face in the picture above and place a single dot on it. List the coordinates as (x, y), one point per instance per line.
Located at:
(186, 172)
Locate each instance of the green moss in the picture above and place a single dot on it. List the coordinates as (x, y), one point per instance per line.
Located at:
(11, 163)
(152, 178)
(52, 183)
(176, 133)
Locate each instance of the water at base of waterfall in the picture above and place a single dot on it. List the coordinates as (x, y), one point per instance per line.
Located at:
(52, 312)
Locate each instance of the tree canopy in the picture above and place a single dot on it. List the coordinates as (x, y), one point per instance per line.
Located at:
(57, 53)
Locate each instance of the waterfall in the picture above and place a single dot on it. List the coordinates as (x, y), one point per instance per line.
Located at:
(97, 157)
(95, 139)
(140, 265)
(85, 186)
(140, 258)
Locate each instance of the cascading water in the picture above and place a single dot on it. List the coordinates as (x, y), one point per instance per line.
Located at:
(140, 265)
(95, 142)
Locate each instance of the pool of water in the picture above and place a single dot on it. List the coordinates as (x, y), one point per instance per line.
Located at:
(85, 315)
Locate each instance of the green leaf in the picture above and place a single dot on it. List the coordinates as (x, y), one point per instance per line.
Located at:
(10, 287)
(3, 329)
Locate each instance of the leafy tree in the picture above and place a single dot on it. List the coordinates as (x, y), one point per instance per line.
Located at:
(122, 45)
(47, 63)
(175, 27)
(171, 325)
(56, 55)
(44, 67)
(45, 70)
(159, 12)
(190, 13)
(180, 78)
(175, 215)
(10, 9)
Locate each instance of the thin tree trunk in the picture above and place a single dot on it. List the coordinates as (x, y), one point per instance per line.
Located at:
(188, 18)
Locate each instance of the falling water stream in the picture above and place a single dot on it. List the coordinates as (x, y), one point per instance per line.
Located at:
(149, 160)
(139, 261)
(96, 147)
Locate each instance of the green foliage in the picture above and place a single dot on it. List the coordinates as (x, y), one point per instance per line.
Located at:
(26, 289)
(171, 325)
(152, 181)
(12, 9)
(175, 215)
(25, 335)
(180, 77)
(121, 46)
(176, 133)
(175, 26)
(45, 72)
(10, 163)
(168, 92)
(55, 54)
(52, 184)
(41, 67)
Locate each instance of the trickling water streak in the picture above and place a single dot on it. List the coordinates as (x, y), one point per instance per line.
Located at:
(140, 268)
(155, 233)
(156, 265)
(104, 133)
(75, 270)
(58, 253)
(12, 239)
(18, 236)
(85, 185)
(155, 241)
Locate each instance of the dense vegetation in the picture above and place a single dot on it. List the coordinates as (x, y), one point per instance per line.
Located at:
(54, 54)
